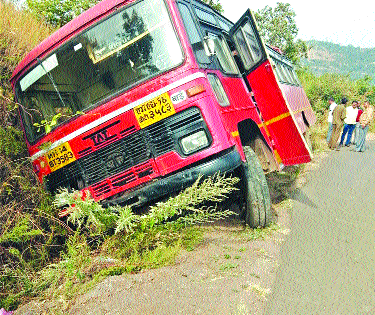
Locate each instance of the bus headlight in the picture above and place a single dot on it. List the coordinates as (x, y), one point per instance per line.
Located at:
(194, 142)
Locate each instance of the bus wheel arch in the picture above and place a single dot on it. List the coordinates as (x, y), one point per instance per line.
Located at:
(251, 135)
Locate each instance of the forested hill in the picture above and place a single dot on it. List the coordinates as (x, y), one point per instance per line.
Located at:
(326, 57)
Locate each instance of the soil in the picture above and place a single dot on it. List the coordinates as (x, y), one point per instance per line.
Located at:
(228, 273)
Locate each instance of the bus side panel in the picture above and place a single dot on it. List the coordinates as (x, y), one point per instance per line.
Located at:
(299, 103)
(278, 118)
(241, 108)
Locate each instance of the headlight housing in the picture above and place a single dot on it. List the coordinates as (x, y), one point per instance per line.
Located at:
(194, 142)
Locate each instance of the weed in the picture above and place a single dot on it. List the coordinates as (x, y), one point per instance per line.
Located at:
(259, 233)
(228, 266)
(262, 292)
(112, 241)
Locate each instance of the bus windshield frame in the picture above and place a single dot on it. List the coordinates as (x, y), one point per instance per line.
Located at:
(129, 47)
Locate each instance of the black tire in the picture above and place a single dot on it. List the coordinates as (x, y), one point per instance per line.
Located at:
(257, 195)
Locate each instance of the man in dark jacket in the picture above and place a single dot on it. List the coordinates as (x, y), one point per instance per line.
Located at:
(339, 114)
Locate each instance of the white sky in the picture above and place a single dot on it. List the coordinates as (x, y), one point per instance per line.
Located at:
(340, 22)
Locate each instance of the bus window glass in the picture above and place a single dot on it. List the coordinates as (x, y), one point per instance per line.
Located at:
(290, 78)
(296, 80)
(248, 45)
(224, 56)
(218, 89)
(193, 34)
(205, 16)
(244, 50)
(252, 42)
(293, 81)
(283, 73)
(130, 46)
(289, 72)
(224, 25)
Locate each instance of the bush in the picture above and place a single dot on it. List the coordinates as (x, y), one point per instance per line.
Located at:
(109, 241)
(320, 88)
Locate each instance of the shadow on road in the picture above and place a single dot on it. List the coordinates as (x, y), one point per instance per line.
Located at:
(285, 185)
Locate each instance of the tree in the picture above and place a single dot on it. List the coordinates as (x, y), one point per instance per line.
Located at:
(278, 28)
(59, 12)
(215, 4)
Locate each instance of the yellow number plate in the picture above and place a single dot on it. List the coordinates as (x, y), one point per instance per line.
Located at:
(60, 156)
(154, 110)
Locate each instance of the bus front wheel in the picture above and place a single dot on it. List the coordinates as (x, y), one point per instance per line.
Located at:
(257, 195)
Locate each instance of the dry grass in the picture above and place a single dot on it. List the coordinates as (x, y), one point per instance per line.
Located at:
(19, 33)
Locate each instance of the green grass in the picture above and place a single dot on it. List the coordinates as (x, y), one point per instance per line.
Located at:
(258, 233)
(112, 241)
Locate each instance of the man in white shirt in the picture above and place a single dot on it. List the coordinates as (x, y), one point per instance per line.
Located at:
(350, 120)
(332, 106)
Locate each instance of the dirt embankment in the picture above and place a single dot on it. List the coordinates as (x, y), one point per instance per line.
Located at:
(231, 272)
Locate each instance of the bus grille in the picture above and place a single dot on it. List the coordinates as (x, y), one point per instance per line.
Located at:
(128, 159)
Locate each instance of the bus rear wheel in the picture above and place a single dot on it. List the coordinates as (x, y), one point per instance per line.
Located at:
(257, 195)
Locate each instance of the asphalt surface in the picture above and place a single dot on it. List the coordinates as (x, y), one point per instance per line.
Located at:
(327, 265)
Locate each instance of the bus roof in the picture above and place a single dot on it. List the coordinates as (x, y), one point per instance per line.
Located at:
(74, 26)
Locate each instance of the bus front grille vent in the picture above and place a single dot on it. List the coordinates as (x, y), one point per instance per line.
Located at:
(129, 159)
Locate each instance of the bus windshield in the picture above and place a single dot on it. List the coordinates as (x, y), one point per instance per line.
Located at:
(132, 45)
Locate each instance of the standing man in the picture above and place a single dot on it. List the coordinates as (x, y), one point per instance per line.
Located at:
(357, 125)
(364, 121)
(338, 116)
(351, 116)
(332, 106)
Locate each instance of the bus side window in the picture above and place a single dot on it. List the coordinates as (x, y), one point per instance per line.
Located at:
(224, 55)
(218, 89)
(289, 76)
(193, 34)
(284, 73)
(275, 68)
(296, 78)
(279, 72)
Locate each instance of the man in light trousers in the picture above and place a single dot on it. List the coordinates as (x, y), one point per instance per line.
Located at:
(365, 120)
(357, 125)
(332, 106)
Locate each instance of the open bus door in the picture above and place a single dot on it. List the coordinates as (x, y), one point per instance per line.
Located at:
(290, 146)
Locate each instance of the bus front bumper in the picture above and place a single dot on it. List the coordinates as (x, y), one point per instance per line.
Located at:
(224, 163)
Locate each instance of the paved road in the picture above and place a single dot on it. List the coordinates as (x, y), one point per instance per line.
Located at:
(327, 265)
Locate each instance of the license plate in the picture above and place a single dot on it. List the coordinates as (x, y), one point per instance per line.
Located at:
(60, 156)
(154, 110)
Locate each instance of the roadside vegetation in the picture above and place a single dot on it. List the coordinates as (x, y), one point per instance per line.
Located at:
(43, 256)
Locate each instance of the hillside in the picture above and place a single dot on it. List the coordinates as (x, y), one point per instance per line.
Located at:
(326, 57)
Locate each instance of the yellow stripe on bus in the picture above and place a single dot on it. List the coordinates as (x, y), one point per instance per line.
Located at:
(272, 120)
(277, 156)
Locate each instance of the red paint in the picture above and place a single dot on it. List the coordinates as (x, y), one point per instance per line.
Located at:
(222, 122)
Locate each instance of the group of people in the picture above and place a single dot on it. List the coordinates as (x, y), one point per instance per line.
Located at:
(351, 122)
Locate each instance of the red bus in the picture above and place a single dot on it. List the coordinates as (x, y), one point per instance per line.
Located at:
(133, 100)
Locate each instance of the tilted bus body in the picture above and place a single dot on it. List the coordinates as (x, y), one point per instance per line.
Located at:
(133, 100)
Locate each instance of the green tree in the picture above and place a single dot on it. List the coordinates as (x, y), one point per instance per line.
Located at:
(215, 4)
(59, 12)
(278, 28)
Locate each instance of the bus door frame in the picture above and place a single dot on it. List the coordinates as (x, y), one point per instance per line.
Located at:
(289, 144)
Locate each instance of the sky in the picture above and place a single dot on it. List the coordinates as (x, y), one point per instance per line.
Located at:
(340, 22)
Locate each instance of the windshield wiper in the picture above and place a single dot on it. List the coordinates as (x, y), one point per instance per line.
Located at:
(52, 81)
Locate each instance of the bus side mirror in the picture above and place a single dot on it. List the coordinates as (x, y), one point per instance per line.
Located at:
(209, 46)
